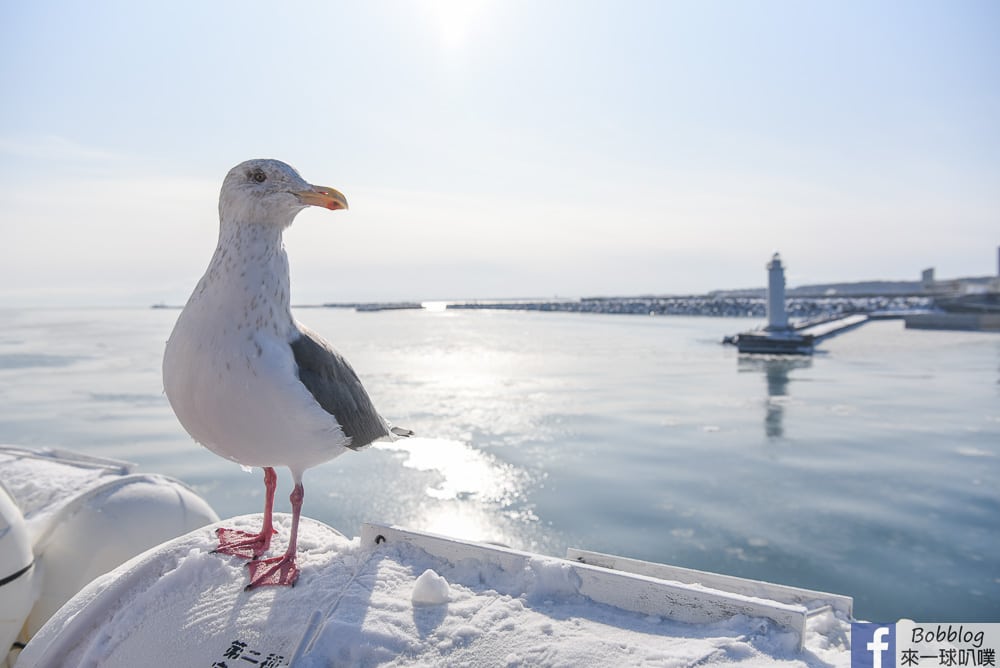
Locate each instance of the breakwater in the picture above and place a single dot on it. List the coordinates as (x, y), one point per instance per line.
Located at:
(729, 307)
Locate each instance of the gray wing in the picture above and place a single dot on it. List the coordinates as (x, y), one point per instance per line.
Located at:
(337, 388)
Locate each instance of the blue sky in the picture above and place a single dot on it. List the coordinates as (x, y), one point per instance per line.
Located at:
(501, 148)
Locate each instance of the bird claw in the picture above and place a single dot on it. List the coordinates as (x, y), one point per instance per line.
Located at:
(243, 544)
(277, 571)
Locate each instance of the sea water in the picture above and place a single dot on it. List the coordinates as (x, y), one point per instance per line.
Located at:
(871, 469)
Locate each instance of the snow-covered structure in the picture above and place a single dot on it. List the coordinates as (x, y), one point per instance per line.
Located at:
(67, 518)
(390, 596)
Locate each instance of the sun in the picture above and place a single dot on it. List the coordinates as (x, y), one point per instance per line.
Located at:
(456, 20)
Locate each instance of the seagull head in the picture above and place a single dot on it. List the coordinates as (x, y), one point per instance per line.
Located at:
(269, 191)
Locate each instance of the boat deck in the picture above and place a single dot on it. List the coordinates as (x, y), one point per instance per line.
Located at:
(411, 598)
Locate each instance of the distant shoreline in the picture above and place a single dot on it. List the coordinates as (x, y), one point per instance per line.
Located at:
(708, 306)
(713, 306)
(807, 301)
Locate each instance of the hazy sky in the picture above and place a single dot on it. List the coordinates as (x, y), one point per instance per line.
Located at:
(501, 148)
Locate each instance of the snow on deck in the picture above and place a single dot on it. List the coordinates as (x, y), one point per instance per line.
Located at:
(390, 604)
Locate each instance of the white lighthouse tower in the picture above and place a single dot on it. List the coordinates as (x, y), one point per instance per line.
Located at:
(777, 317)
(779, 337)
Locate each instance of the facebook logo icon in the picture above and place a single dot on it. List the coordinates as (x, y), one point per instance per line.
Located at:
(873, 645)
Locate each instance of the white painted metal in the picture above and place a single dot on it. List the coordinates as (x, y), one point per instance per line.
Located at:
(451, 549)
(18, 576)
(813, 601)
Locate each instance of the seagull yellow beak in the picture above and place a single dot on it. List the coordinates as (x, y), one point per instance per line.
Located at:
(329, 198)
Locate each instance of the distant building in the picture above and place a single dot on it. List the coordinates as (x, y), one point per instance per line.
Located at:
(996, 280)
(927, 279)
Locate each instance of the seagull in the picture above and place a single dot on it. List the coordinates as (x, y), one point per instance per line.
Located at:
(249, 382)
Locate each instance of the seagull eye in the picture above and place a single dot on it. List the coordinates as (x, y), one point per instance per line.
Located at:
(259, 176)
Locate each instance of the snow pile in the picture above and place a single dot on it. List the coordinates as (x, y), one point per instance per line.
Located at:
(536, 617)
(389, 605)
(430, 589)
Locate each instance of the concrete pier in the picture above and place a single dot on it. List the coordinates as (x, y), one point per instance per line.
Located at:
(829, 328)
(797, 340)
(969, 322)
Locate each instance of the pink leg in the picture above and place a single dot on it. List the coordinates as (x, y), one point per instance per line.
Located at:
(251, 545)
(281, 570)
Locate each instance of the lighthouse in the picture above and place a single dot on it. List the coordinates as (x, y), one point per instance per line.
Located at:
(777, 318)
(779, 337)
